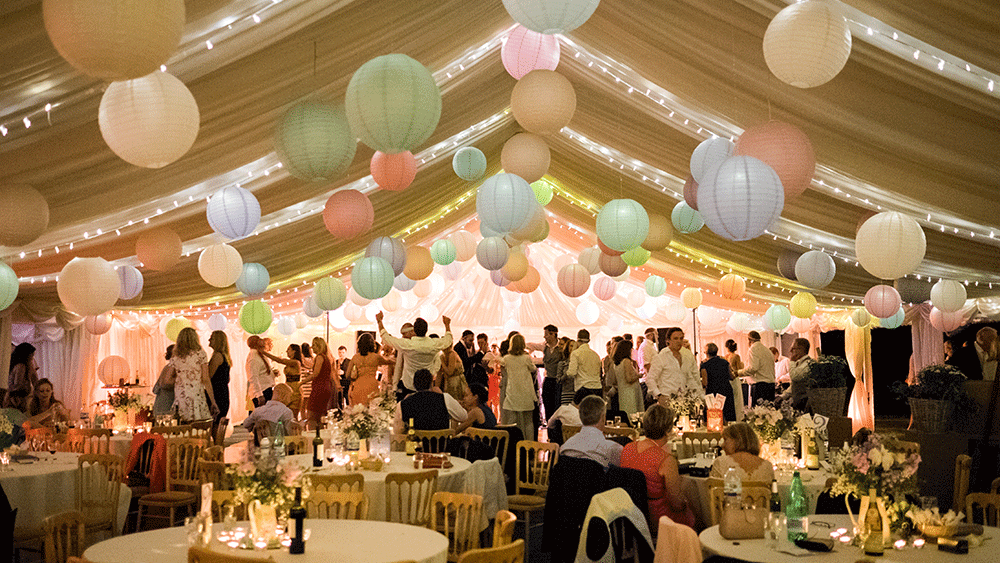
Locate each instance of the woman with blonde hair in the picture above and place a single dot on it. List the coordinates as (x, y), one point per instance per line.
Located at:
(521, 396)
(742, 447)
(219, 365)
(191, 379)
(322, 383)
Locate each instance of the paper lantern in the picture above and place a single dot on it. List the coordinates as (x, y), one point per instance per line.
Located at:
(220, 265)
(807, 44)
(896, 320)
(98, 324)
(691, 297)
(149, 121)
(301, 321)
(787, 259)
(452, 272)
(615, 322)
(786, 149)
(393, 104)
(253, 280)
(443, 252)
(912, 290)
(622, 224)
(159, 248)
(802, 305)
(423, 288)
(710, 317)
(524, 50)
(338, 321)
(815, 269)
(707, 156)
(372, 277)
(329, 293)
(255, 317)
(217, 322)
(636, 257)
(739, 322)
(403, 283)
(732, 286)
(516, 267)
(526, 155)
(24, 215)
(543, 102)
(465, 245)
(675, 312)
(487, 232)
(647, 311)
(115, 39)
(469, 163)
(587, 313)
(800, 326)
(174, 327)
(419, 263)
(391, 301)
(129, 282)
(389, 249)
(691, 192)
(605, 249)
(497, 277)
(233, 212)
(543, 192)
(535, 224)
(865, 215)
(945, 322)
(530, 282)
(605, 288)
(348, 213)
(623, 276)
(890, 245)
(562, 260)
(88, 286)
(777, 317)
(311, 308)
(882, 301)
(505, 202)
(314, 142)
(660, 232)
(9, 286)
(492, 253)
(393, 172)
(612, 265)
(948, 296)
(655, 286)
(113, 370)
(551, 16)
(860, 318)
(573, 280)
(636, 299)
(685, 219)
(286, 326)
(354, 297)
(742, 199)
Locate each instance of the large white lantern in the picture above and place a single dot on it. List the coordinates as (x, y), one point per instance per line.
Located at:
(742, 199)
(807, 44)
(403, 283)
(254, 279)
(220, 265)
(130, 279)
(505, 202)
(149, 121)
(24, 214)
(897, 319)
(330, 293)
(890, 245)
(389, 249)
(551, 16)
(314, 142)
(217, 321)
(573, 280)
(372, 277)
(233, 212)
(622, 224)
(685, 219)
(815, 269)
(707, 157)
(948, 296)
(88, 286)
(675, 312)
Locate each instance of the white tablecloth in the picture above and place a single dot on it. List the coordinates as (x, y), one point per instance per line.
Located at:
(46, 487)
(340, 541)
(755, 550)
(698, 495)
(120, 445)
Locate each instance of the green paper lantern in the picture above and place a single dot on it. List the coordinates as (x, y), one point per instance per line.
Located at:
(8, 286)
(372, 277)
(330, 293)
(543, 191)
(622, 224)
(686, 219)
(314, 141)
(636, 257)
(777, 318)
(255, 317)
(894, 321)
(393, 103)
(655, 286)
(469, 163)
(443, 252)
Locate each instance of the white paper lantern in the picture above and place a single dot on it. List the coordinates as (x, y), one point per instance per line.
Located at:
(492, 253)
(685, 219)
(403, 283)
(217, 321)
(389, 249)
(573, 280)
(587, 312)
(391, 302)
(710, 317)
(691, 297)
(149, 121)
(807, 44)
(254, 279)
(452, 272)
(301, 321)
(896, 320)
(815, 269)
(707, 157)
(220, 265)
(330, 293)
(946, 322)
(890, 245)
(286, 325)
(948, 295)
(800, 325)
(24, 214)
(615, 322)
(354, 297)
(338, 321)
(372, 277)
(505, 202)
(675, 312)
(465, 245)
(88, 286)
(469, 163)
(777, 317)
(113, 370)
(622, 224)
(98, 324)
(605, 288)
(443, 252)
(429, 312)
(882, 301)
(130, 282)
(353, 311)
(636, 298)
(590, 258)
(742, 199)
(310, 308)
(655, 286)
(314, 142)
(233, 212)
(739, 322)
(647, 311)
(860, 318)
(551, 16)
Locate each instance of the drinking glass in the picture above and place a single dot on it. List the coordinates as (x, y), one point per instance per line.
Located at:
(777, 526)
(618, 421)
(191, 527)
(928, 503)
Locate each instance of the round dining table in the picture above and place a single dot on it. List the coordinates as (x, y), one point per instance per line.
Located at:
(342, 541)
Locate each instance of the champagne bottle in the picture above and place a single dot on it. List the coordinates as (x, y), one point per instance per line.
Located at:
(317, 450)
(812, 451)
(411, 440)
(298, 515)
(797, 511)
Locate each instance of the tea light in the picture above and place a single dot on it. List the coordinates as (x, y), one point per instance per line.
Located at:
(900, 544)
(835, 534)
(286, 542)
(845, 539)
(841, 531)
(918, 543)
(233, 544)
(260, 544)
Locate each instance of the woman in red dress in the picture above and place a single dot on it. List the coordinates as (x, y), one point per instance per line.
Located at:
(322, 383)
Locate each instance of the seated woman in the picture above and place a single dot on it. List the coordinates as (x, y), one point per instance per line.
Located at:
(742, 448)
(652, 456)
(43, 408)
(476, 402)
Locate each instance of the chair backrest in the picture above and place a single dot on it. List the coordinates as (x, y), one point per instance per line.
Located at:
(510, 553)
(698, 442)
(988, 504)
(98, 483)
(346, 482)
(995, 486)
(33, 434)
(296, 445)
(182, 464)
(337, 505)
(434, 441)
(64, 536)
(220, 432)
(457, 516)
(503, 528)
(145, 462)
(168, 431)
(534, 464)
(408, 497)
(213, 472)
(397, 442)
(201, 429)
(496, 440)
(963, 467)
(88, 440)
(630, 433)
(569, 430)
(205, 555)
(752, 495)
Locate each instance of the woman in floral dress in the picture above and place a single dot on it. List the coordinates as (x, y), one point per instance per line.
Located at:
(191, 378)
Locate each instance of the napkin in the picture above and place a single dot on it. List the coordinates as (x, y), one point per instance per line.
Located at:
(715, 401)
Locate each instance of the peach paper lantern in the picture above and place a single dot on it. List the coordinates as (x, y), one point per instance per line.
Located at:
(786, 149)
(732, 286)
(530, 282)
(945, 322)
(419, 263)
(605, 288)
(890, 245)
(543, 102)
(393, 172)
(807, 44)
(573, 280)
(590, 258)
(113, 370)
(348, 213)
(802, 305)
(613, 266)
(98, 324)
(465, 245)
(391, 302)
(220, 265)
(691, 297)
(948, 295)
(159, 248)
(423, 288)
(88, 286)
(882, 301)
(516, 267)
(24, 215)
(524, 50)
(526, 155)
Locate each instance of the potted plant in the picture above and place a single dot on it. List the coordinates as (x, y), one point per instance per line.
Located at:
(828, 385)
(936, 394)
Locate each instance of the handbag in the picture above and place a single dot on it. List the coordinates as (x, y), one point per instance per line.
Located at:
(743, 522)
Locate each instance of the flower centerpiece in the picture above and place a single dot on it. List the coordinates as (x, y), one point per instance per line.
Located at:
(367, 423)
(687, 405)
(125, 407)
(771, 424)
(266, 481)
(6, 431)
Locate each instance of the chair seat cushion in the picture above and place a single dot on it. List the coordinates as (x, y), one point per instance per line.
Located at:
(525, 502)
(168, 498)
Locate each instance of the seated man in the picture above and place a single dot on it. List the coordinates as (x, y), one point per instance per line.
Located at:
(429, 409)
(274, 411)
(590, 442)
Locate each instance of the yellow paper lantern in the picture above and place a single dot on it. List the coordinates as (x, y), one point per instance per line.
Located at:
(24, 215)
(174, 327)
(732, 286)
(516, 267)
(807, 44)
(526, 155)
(691, 297)
(802, 305)
(220, 265)
(88, 286)
(419, 263)
(543, 102)
(329, 294)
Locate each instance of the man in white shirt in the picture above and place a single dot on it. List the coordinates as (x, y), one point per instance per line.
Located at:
(798, 372)
(589, 442)
(781, 366)
(585, 365)
(260, 379)
(760, 370)
(419, 352)
(648, 350)
(405, 331)
(674, 369)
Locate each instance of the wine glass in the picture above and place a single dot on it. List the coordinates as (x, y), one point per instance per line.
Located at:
(52, 449)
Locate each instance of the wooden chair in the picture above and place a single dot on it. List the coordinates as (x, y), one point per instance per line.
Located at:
(98, 485)
(397, 443)
(337, 505)
(201, 429)
(988, 504)
(213, 472)
(503, 528)
(630, 433)
(183, 484)
(88, 440)
(297, 445)
(535, 461)
(510, 553)
(31, 435)
(496, 440)
(753, 495)
(64, 536)
(693, 443)
(224, 499)
(205, 555)
(212, 453)
(995, 486)
(179, 431)
(408, 497)
(346, 483)
(220, 432)
(457, 516)
(434, 441)
(569, 430)
(963, 468)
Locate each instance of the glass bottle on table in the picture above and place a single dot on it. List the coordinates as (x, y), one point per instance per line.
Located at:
(278, 444)
(773, 517)
(317, 450)
(812, 450)
(732, 489)
(411, 439)
(297, 515)
(797, 510)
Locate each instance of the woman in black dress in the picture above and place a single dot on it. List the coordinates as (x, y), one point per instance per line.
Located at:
(218, 367)
(715, 376)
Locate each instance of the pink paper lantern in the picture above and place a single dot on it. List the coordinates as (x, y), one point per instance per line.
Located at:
(348, 213)
(526, 155)
(786, 149)
(573, 280)
(605, 288)
(98, 324)
(882, 301)
(393, 172)
(524, 51)
(946, 322)
(691, 192)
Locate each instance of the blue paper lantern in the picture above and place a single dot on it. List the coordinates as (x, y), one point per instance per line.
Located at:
(469, 163)
(505, 202)
(742, 199)
(655, 286)
(233, 212)
(685, 219)
(372, 277)
(254, 279)
(894, 321)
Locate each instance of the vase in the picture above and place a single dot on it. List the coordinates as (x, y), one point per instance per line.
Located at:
(263, 522)
(120, 420)
(859, 522)
(363, 448)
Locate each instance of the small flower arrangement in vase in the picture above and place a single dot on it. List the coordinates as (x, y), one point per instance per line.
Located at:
(366, 423)
(125, 407)
(687, 406)
(268, 490)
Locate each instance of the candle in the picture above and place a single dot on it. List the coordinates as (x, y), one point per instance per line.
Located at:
(900, 544)
(233, 544)
(845, 539)
(918, 543)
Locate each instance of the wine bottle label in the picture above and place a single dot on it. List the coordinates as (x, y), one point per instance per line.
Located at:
(319, 451)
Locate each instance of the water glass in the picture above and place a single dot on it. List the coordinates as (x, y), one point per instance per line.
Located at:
(618, 421)
(928, 503)
(191, 527)
(776, 534)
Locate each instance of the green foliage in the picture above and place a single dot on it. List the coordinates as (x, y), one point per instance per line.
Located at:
(828, 372)
(939, 381)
